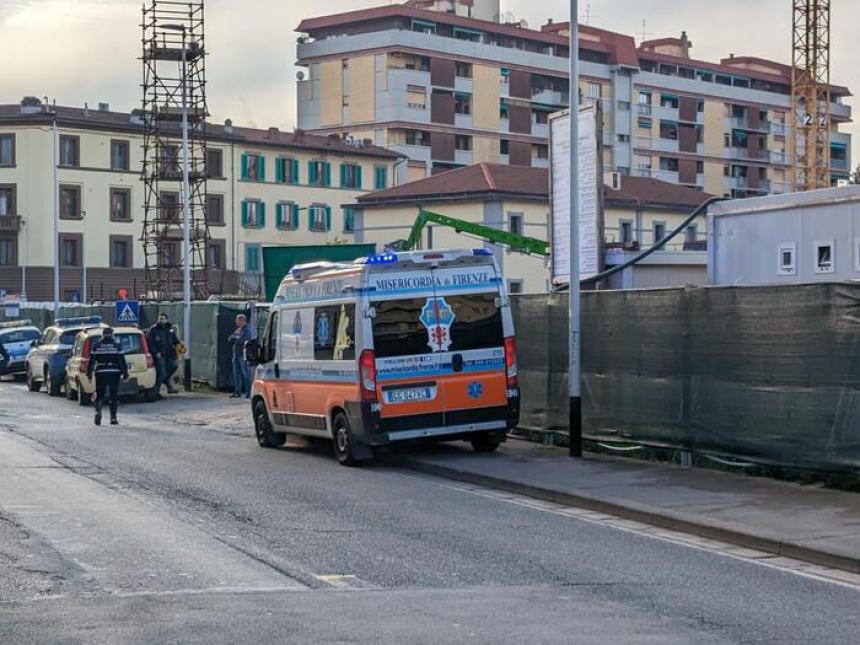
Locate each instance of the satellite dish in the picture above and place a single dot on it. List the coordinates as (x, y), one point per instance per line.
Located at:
(300, 75)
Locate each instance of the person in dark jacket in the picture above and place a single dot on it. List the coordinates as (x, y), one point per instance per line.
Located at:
(107, 362)
(237, 340)
(162, 341)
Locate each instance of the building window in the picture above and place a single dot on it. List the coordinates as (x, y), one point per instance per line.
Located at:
(70, 202)
(541, 150)
(319, 173)
(286, 170)
(659, 231)
(626, 231)
(824, 257)
(7, 149)
(8, 250)
(669, 163)
(504, 146)
(168, 162)
(253, 261)
(7, 200)
(691, 234)
(380, 178)
(214, 162)
(286, 216)
(120, 251)
(70, 151)
(669, 101)
(253, 167)
(504, 109)
(515, 223)
(669, 130)
(416, 97)
(515, 287)
(462, 103)
(350, 176)
(463, 142)
(463, 70)
(349, 219)
(540, 117)
(644, 124)
(595, 91)
(215, 254)
(786, 264)
(168, 206)
(120, 204)
(253, 214)
(119, 154)
(319, 218)
(623, 138)
(168, 254)
(215, 210)
(70, 250)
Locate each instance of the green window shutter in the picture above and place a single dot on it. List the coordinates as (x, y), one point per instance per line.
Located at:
(245, 214)
(343, 172)
(312, 173)
(358, 182)
(328, 218)
(327, 174)
(279, 215)
(279, 170)
(261, 162)
(295, 177)
(381, 178)
(294, 216)
(245, 167)
(261, 210)
(310, 218)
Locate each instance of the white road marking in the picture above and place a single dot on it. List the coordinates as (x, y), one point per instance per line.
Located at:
(725, 549)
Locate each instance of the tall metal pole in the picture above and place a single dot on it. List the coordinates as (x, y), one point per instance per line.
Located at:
(186, 223)
(575, 367)
(84, 262)
(56, 223)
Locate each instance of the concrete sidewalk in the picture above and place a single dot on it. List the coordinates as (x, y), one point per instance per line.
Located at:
(805, 523)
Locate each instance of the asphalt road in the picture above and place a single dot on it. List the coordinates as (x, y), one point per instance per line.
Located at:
(176, 527)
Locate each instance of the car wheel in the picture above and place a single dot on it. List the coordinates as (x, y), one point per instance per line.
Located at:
(485, 442)
(150, 395)
(53, 385)
(32, 384)
(266, 436)
(343, 441)
(83, 398)
(71, 393)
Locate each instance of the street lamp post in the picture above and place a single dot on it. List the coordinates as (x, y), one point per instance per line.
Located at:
(55, 193)
(186, 213)
(575, 366)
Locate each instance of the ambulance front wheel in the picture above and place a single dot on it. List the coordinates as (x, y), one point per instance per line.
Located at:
(266, 436)
(344, 442)
(485, 442)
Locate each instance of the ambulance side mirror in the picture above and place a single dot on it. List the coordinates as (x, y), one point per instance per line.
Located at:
(252, 352)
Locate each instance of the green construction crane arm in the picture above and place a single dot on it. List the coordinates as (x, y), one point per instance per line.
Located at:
(521, 243)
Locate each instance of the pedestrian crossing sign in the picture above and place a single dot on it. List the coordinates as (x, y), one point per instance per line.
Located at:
(127, 312)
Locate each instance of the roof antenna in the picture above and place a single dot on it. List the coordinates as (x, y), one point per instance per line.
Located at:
(645, 33)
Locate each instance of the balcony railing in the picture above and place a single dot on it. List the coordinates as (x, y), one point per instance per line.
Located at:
(10, 223)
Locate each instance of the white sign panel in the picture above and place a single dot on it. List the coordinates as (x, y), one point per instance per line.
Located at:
(589, 227)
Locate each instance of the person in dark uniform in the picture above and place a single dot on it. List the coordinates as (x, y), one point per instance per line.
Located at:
(163, 341)
(107, 362)
(4, 356)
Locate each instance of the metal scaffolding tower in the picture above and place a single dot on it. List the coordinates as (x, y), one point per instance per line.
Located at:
(810, 95)
(175, 232)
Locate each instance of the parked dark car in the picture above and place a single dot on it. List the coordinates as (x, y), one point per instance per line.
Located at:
(46, 362)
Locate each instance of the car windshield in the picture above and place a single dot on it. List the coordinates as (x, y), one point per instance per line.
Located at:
(68, 337)
(399, 328)
(20, 336)
(131, 343)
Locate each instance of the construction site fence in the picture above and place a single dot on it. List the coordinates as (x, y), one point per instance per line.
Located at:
(211, 325)
(768, 375)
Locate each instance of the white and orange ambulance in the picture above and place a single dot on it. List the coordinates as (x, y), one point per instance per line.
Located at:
(389, 348)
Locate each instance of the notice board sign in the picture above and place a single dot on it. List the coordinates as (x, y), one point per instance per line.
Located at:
(590, 224)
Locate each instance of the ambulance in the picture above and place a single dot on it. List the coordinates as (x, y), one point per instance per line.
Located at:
(389, 348)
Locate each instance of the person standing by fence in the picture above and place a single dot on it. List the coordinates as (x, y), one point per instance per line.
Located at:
(107, 363)
(163, 341)
(237, 340)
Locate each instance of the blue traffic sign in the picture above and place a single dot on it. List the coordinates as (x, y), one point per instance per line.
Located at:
(127, 312)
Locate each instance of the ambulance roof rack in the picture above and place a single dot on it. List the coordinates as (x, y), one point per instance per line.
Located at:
(302, 272)
(16, 323)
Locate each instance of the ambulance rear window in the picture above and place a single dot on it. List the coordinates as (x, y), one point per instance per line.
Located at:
(400, 327)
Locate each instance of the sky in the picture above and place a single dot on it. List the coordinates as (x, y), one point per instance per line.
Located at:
(78, 51)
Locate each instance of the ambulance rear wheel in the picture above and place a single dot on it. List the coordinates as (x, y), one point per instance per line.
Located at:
(343, 441)
(485, 442)
(266, 436)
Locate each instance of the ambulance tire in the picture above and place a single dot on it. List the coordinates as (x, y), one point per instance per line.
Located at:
(485, 442)
(342, 441)
(266, 437)
(32, 384)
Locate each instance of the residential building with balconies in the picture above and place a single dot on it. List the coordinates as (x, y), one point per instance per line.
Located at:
(446, 89)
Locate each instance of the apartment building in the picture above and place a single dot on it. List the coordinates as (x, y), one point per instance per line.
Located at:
(447, 89)
(265, 187)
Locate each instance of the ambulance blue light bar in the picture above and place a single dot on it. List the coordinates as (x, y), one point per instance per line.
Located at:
(16, 323)
(80, 320)
(481, 252)
(383, 258)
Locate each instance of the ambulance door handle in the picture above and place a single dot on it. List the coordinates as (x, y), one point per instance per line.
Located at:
(457, 362)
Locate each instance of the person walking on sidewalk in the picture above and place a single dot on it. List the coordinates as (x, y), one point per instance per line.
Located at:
(107, 362)
(163, 341)
(237, 340)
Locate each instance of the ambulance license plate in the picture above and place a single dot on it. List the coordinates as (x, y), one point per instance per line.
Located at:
(408, 395)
